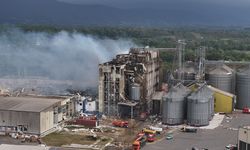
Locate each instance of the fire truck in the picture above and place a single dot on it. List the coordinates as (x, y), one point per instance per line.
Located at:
(139, 142)
(119, 123)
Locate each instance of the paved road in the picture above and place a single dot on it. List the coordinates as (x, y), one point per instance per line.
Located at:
(215, 139)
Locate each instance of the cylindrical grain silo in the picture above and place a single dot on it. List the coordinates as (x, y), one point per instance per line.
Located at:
(174, 104)
(243, 88)
(210, 96)
(221, 77)
(212, 105)
(199, 107)
(135, 92)
(188, 73)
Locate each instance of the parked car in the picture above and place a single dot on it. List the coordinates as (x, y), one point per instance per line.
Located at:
(169, 136)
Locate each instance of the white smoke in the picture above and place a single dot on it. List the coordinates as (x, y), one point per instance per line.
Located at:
(59, 56)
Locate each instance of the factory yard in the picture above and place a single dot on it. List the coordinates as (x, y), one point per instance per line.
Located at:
(214, 137)
(211, 139)
(133, 109)
(221, 131)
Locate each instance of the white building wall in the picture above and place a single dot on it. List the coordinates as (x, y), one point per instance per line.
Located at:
(90, 106)
(15, 118)
(79, 106)
(47, 120)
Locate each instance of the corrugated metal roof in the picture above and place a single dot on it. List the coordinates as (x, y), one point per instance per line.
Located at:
(223, 69)
(178, 91)
(30, 104)
(245, 71)
(174, 92)
(203, 93)
(220, 91)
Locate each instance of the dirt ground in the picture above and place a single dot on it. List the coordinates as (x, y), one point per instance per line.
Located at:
(105, 133)
(63, 138)
(126, 136)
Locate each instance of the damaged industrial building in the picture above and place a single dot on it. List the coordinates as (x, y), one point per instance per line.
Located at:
(128, 82)
(130, 85)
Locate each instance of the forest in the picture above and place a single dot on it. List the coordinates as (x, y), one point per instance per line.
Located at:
(222, 43)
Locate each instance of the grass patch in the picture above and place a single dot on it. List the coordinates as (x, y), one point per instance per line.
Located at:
(59, 139)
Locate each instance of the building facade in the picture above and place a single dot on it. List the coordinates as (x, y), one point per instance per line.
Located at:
(128, 82)
(223, 101)
(34, 115)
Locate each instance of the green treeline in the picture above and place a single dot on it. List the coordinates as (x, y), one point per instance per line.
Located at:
(222, 43)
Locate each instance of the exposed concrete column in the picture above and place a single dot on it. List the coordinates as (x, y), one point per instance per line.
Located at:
(132, 112)
(100, 92)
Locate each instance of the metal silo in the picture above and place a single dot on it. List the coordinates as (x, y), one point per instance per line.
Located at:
(199, 107)
(212, 105)
(222, 78)
(174, 105)
(210, 95)
(188, 73)
(135, 92)
(243, 88)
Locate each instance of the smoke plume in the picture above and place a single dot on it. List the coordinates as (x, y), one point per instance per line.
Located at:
(60, 56)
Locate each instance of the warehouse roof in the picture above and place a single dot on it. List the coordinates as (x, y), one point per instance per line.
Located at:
(221, 91)
(29, 104)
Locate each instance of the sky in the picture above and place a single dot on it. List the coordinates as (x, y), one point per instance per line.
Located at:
(127, 12)
(159, 3)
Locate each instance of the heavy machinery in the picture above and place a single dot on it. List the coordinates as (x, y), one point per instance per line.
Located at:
(119, 123)
(146, 135)
(139, 142)
(140, 134)
(148, 131)
(150, 134)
